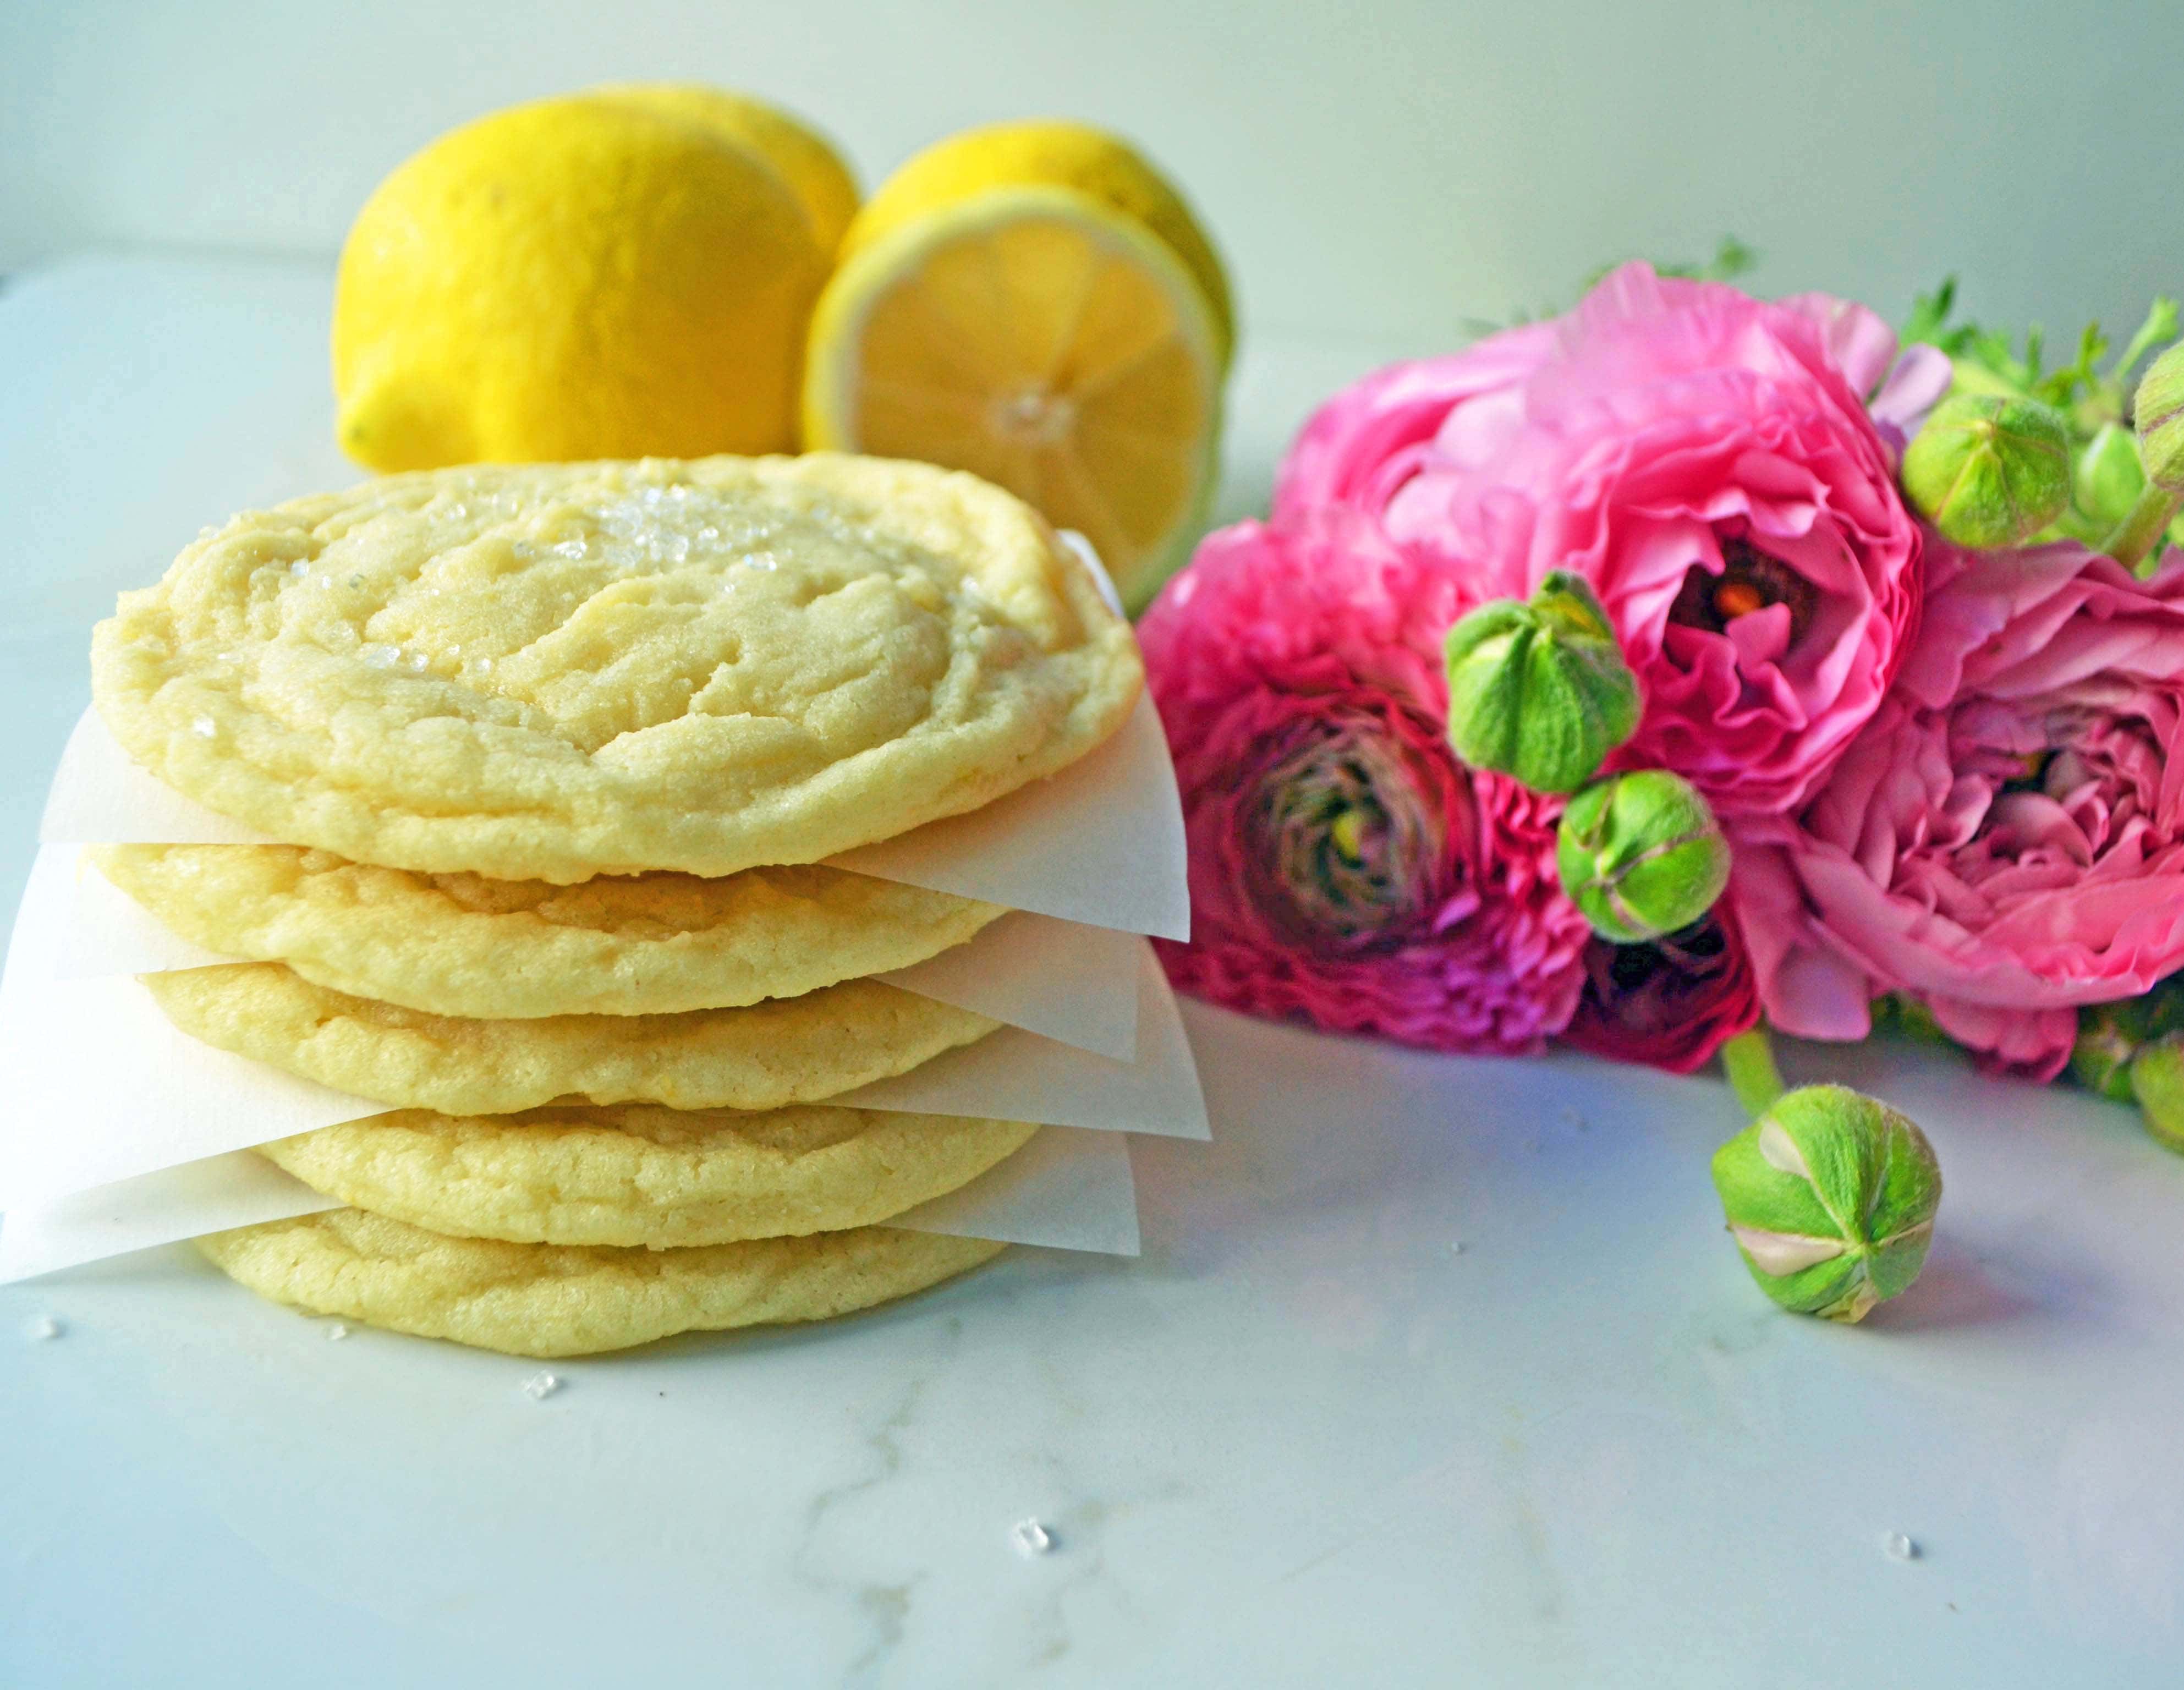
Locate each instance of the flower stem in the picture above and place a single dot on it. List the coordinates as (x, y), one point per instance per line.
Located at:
(1748, 1059)
(2140, 532)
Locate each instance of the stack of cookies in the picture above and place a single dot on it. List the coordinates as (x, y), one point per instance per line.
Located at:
(556, 753)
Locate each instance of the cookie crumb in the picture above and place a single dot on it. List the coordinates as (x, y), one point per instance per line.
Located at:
(1029, 1538)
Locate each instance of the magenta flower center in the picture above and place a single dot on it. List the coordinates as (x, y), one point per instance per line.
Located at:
(1648, 987)
(1345, 841)
(1750, 580)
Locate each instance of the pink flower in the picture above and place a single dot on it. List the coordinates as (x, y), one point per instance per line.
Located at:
(2005, 839)
(1704, 458)
(1673, 1003)
(1344, 866)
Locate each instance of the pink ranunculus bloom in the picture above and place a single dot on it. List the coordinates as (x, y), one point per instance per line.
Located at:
(1707, 461)
(2005, 839)
(1345, 868)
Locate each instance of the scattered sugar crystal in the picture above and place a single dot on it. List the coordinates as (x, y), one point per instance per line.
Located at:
(379, 656)
(337, 1332)
(1456, 1247)
(571, 549)
(1899, 1548)
(300, 568)
(420, 661)
(204, 727)
(1030, 1538)
(541, 1386)
(485, 666)
(44, 1328)
(525, 550)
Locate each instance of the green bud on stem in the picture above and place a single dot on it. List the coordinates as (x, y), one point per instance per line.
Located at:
(1538, 689)
(2110, 1036)
(1641, 854)
(1830, 1196)
(1989, 471)
(2109, 478)
(2157, 1081)
(2158, 419)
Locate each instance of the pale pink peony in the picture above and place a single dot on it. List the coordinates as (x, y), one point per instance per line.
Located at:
(1361, 446)
(1344, 867)
(2005, 839)
(1706, 460)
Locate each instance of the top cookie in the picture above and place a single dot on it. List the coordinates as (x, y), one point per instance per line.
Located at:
(552, 672)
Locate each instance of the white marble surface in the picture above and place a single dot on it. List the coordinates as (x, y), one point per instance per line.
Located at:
(1305, 1440)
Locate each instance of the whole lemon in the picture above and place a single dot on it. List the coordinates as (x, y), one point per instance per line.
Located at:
(816, 173)
(577, 277)
(1052, 153)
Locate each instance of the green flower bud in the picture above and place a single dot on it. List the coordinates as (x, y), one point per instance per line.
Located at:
(2109, 478)
(1830, 1196)
(1989, 470)
(1641, 854)
(2158, 413)
(1904, 1016)
(2157, 1081)
(1539, 689)
(2101, 1059)
(2110, 1035)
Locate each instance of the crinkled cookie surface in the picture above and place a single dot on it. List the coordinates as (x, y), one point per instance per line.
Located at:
(551, 1300)
(634, 1176)
(462, 945)
(551, 672)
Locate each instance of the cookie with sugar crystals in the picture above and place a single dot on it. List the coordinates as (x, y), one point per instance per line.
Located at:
(462, 945)
(551, 1300)
(632, 1176)
(766, 1056)
(550, 672)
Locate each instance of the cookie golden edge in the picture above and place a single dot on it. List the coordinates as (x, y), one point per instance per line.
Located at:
(764, 1056)
(132, 670)
(576, 1177)
(396, 936)
(551, 1301)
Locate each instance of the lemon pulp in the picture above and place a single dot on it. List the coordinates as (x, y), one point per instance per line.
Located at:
(1037, 338)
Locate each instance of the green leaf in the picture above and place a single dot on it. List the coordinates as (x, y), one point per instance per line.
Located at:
(2162, 325)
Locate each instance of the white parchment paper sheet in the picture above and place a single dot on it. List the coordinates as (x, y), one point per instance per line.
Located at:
(102, 1087)
(1068, 1189)
(1061, 979)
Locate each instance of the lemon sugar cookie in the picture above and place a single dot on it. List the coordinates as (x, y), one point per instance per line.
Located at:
(462, 945)
(641, 1176)
(556, 672)
(766, 1056)
(551, 1300)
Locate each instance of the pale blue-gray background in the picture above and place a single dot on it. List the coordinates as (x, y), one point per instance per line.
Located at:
(1395, 167)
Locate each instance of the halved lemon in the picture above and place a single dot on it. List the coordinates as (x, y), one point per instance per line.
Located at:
(1037, 337)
